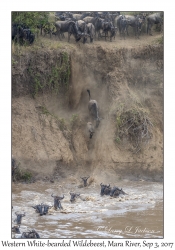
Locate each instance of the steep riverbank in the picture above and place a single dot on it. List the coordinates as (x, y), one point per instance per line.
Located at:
(49, 110)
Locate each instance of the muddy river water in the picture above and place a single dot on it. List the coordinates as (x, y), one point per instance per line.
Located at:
(136, 215)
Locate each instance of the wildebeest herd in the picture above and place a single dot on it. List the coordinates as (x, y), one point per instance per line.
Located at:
(89, 26)
(42, 209)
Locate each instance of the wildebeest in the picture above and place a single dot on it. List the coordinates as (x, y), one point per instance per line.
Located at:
(135, 22)
(73, 196)
(115, 192)
(91, 31)
(42, 209)
(67, 26)
(28, 35)
(122, 25)
(85, 180)
(89, 19)
(80, 16)
(93, 109)
(99, 24)
(155, 18)
(19, 218)
(105, 189)
(109, 27)
(90, 129)
(16, 230)
(30, 235)
(57, 202)
(21, 34)
(82, 29)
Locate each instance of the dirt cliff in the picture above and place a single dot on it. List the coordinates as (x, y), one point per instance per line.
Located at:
(49, 109)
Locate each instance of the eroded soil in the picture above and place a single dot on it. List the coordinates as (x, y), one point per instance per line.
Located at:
(122, 75)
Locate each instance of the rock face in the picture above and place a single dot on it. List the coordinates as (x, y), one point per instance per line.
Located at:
(49, 130)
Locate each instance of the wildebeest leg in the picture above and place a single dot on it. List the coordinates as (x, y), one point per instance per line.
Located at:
(41, 31)
(99, 35)
(69, 34)
(59, 34)
(127, 31)
(149, 26)
(59, 205)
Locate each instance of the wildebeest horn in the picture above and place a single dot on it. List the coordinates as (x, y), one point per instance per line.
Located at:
(52, 195)
(101, 184)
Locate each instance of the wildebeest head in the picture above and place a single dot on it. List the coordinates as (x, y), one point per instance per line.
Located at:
(73, 196)
(85, 180)
(105, 189)
(39, 209)
(19, 217)
(46, 208)
(57, 203)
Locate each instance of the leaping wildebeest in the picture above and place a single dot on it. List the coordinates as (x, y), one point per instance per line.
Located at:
(90, 129)
(93, 109)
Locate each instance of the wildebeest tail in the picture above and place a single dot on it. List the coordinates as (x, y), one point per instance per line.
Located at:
(89, 93)
(147, 26)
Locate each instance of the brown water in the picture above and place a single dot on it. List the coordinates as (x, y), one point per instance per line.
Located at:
(136, 215)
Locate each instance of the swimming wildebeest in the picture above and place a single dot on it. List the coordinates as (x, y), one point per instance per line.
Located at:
(42, 209)
(19, 218)
(57, 202)
(16, 230)
(85, 180)
(115, 192)
(30, 235)
(73, 196)
(105, 189)
(93, 109)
